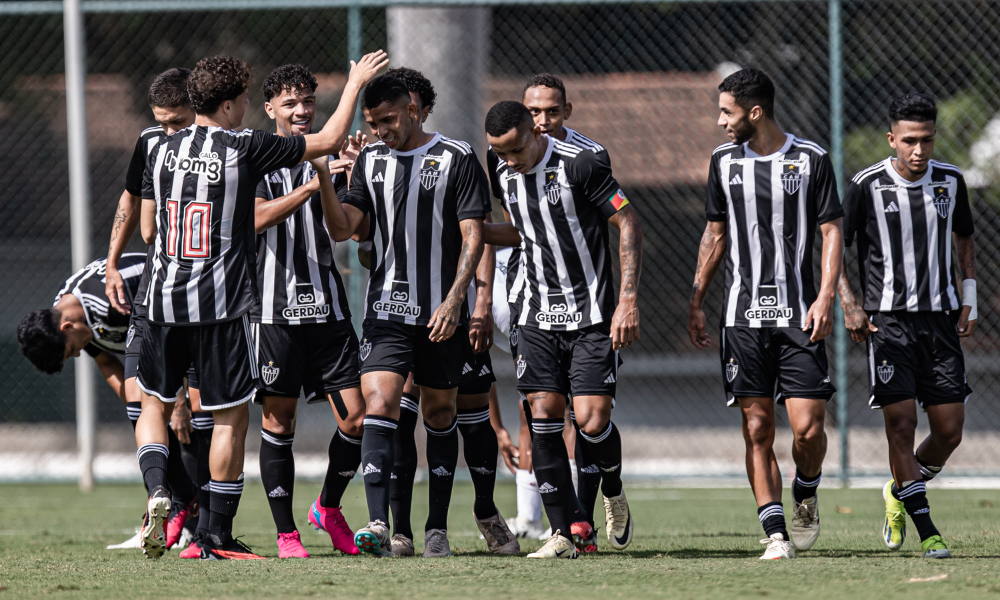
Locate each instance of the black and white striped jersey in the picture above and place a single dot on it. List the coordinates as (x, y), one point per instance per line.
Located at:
(904, 232)
(110, 327)
(298, 278)
(148, 140)
(416, 200)
(204, 181)
(561, 207)
(575, 138)
(771, 206)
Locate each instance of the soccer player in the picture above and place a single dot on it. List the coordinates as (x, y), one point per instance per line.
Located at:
(426, 195)
(305, 340)
(199, 185)
(904, 212)
(559, 199)
(767, 191)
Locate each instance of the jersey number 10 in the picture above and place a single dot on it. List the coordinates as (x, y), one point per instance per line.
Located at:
(197, 225)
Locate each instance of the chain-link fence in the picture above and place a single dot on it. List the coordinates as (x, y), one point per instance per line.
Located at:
(642, 78)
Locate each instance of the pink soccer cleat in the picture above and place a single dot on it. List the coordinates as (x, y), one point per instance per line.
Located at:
(290, 546)
(192, 551)
(175, 526)
(331, 520)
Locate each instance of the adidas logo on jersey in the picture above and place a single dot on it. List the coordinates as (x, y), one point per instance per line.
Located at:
(466, 369)
(277, 492)
(485, 371)
(441, 472)
(610, 379)
(378, 178)
(736, 180)
(370, 469)
(276, 178)
(590, 470)
(546, 488)
(892, 207)
(481, 470)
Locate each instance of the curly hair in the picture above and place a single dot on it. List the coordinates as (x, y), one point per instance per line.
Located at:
(750, 88)
(169, 89)
(545, 80)
(506, 115)
(912, 107)
(293, 78)
(384, 89)
(416, 82)
(41, 341)
(215, 80)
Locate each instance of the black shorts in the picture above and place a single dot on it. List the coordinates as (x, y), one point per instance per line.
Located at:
(317, 358)
(578, 363)
(773, 362)
(133, 343)
(483, 368)
(222, 355)
(916, 355)
(401, 348)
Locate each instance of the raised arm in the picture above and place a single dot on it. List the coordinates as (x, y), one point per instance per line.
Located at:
(965, 249)
(710, 254)
(126, 220)
(820, 315)
(625, 323)
(445, 319)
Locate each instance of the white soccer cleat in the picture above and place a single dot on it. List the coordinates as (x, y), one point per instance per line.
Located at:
(402, 546)
(133, 542)
(777, 547)
(498, 536)
(805, 523)
(558, 546)
(436, 544)
(152, 539)
(374, 539)
(619, 521)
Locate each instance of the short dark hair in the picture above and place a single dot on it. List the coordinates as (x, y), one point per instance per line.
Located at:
(169, 89)
(416, 82)
(506, 115)
(750, 88)
(41, 341)
(293, 78)
(384, 88)
(215, 80)
(546, 80)
(912, 107)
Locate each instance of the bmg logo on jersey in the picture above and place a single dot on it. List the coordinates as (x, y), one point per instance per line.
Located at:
(399, 301)
(558, 312)
(207, 163)
(306, 303)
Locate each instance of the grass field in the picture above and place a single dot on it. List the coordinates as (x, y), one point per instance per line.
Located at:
(689, 543)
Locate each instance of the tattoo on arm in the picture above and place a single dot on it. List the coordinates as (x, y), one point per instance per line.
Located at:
(710, 253)
(630, 252)
(468, 260)
(118, 223)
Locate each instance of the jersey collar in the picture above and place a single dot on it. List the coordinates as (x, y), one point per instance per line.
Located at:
(545, 157)
(896, 177)
(434, 140)
(748, 153)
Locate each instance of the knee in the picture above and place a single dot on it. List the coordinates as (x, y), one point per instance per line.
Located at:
(902, 428)
(353, 425)
(949, 438)
(439, 417)
(592, 423)
(237, 418)
(758, 431)
(810, 437)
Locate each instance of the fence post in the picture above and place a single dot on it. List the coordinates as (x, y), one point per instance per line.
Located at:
(355, 289)
(80, 220)
(837, 157)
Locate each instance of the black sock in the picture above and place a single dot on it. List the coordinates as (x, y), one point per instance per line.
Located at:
(202, 426)
(442, 458)
(772, 519)
(277, 473)
(605, 448)
(182, 489)
(133, 410)
(153, 464)
(914, 497)
(376, 464)
(551, 463)
(927, 471)
(480, 449)
(805, 487)
(345, 454)
(225, 501)
(404, 466)
(588, 475)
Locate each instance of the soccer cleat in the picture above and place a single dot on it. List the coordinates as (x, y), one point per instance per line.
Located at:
(401, 545)
(152, 539)
(132, 542)
(523, 528)
(805, 523)
(224, 547)
(934, 547)
(374, 539)
(331, 520)
(894, 529)
(557, 546)
(584, 537)
(290, 546)
(175, 526)
(186, 538)
(192, 551)
(498, 536)
(777, 547)
(436, 544)
(619, 521)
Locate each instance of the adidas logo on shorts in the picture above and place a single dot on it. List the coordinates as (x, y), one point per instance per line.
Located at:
(441, 472)
(466, 369)
(277, 492)
(546, 488)
(369, 469)
(610, 379)
(485, 371)
(590, 470)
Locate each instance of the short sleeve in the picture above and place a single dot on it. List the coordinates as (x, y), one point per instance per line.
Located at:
(855, 213)
(492, 166)
(148, 191)
(823, 189)
(716, 206)
(136, 167)
(961, 219)
(267, 152)
(470, 186)
(263, 189)
(357, 195)
(592, 172)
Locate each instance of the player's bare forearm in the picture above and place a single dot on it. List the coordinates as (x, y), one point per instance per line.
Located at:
(147, 221)
(481, 326)
(113, 372)
(123, 227)
(625, 322)
(445, 319)
(503, 235)
(268, 213)
(965, 250)
(710, 254)
(855, 320)
(820, 315)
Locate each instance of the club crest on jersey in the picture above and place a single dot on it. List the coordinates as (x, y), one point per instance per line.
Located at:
(206, 163)
(365, 348)
(269, 372)
(885, 371)
(731, 370)
(791, 178)
(553, 191)
(521, 365)
(430, 171)
(942, 200)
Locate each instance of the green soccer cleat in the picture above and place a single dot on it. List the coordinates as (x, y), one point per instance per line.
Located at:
(934, 547)
(894, 529)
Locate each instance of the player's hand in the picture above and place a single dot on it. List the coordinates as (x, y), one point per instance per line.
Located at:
(696, 328)
(180, 421)
(481, 328)
(965, 326)
(625, 324)
(363, 71)
(341, 165)
(507, 450)
(365, 254)
(820, 319)
(115, 290)
(353, 145)
(444, 321)
(856, 322)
